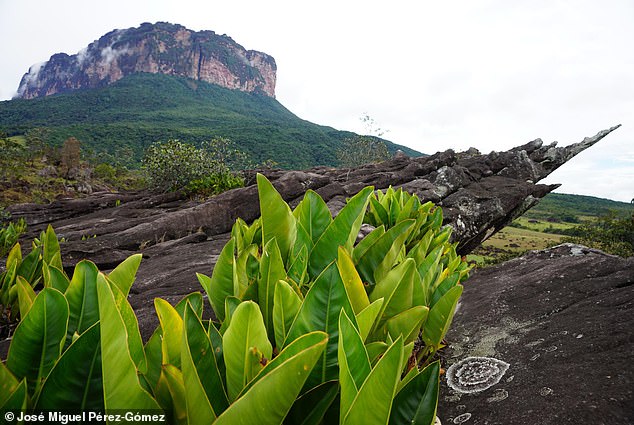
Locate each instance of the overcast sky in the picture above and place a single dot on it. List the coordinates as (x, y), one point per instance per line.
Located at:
(491, 74)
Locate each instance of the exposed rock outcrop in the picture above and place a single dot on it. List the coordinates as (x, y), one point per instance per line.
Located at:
(562, 319)
(480, 194)
(154, 48)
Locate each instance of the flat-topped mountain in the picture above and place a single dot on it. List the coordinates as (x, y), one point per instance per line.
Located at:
(160, 48)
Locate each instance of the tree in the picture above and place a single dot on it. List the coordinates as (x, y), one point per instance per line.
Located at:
(71, 153)
(12, 157)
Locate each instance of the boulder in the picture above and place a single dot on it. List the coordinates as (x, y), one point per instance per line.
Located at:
(562, 320)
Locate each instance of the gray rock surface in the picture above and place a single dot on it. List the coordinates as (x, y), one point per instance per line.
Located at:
(562, 318)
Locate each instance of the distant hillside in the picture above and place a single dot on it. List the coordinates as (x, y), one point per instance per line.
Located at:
(143, 108)
(564, 206)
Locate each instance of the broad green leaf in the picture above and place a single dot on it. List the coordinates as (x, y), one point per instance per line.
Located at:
(124, 274)
(379, 212)
(30, 266)
(153, 350)
(320, 312)
(26, 295)
(375, 350)
(17, 399)
(131, 323)
(195, 299)
(354, 364)
(285, 307)
(271, 271)
(82, 299)
(313, 216)
(367, 317)
(397, 289)
(76, 380)
(223, 282)
(14, 256)
(298, 270)
(38, 339)
(448, 283)
(172, 326)
(342, 231)
(277, 219)
(245, 259)
(176, 387)
(373, 402)
(268, 401)
(51, 253)
(440, 317)
(311, 407)
(365, 243)
(204, 390)
(231, 303)
(8, 383)
(352, 282)
(295, 347)
(407, 324)
(417, 401)
(245, 345)
(379, 258)
(54, 278)
(121, 386)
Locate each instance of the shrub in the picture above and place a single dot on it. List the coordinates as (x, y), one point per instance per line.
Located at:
(362, 150)
(300, 335)
(214, 184)
(174, 165)
(610, 233)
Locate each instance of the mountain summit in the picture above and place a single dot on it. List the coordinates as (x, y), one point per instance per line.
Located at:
(160, 48)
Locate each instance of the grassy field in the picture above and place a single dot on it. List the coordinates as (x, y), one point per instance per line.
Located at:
(538, 228)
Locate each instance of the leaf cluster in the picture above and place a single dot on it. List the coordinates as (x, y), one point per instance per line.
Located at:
(310, 325)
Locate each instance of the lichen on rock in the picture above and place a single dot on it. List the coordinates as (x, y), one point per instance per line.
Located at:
(475, 374)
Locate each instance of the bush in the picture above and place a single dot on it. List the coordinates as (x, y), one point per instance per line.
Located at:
(174, 165)
(214, 184)
(362, 150)
(308, 324)
(610, 233)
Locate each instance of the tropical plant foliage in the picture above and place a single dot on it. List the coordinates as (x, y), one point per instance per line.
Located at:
(23, 275)
(10, 234)
(311, 327)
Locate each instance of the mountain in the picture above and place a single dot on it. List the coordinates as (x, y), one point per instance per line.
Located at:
(153, 89)
(162, 48)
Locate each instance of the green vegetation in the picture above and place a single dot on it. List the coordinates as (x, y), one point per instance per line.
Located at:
(558, 218)
(360, 150)
(209, 170)
(22, 275)
(609, 233)
(10, 234)
(309, 325)
(141, 109)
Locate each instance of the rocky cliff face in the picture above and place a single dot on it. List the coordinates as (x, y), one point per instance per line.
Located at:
(154, 48)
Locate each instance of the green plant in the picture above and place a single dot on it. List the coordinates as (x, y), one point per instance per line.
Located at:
(214, 184)
(360, 150)
(10, 234)
(23, 275)
(611, 233)
(299, 337)
(400, 284)
(176, 165)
